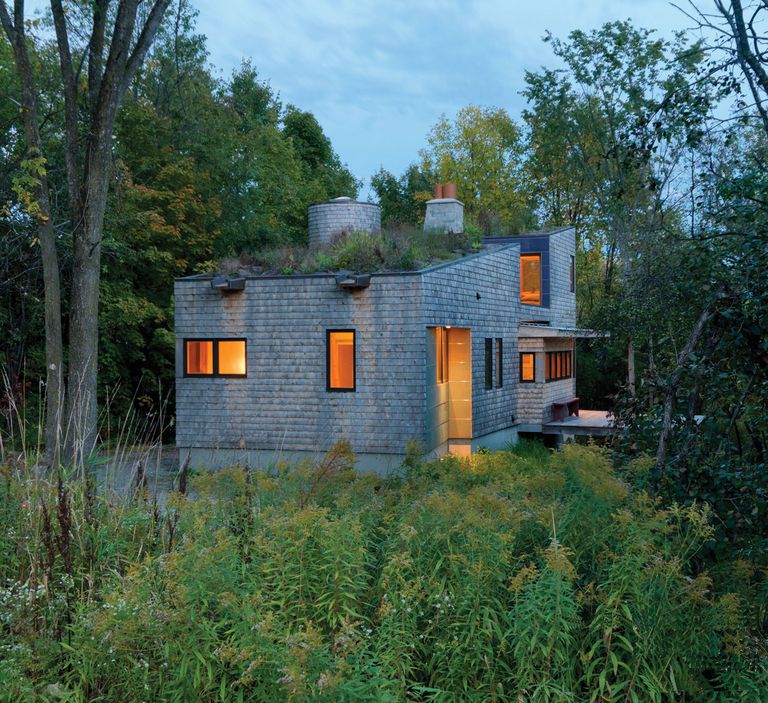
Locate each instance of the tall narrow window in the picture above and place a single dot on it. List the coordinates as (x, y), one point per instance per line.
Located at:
(488, 363)
(499, 362)
(559, 365)
(530, 279)
(441, 354)
(527, 367)
(214, 357)
(572, 271)
(341, 360)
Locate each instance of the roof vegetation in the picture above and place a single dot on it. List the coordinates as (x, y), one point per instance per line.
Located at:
(361, 252)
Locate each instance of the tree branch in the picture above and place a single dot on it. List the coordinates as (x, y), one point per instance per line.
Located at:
(671, 390)
(71, 152)
(144, 41)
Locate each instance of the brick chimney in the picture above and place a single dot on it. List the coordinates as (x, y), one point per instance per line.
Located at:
(444, 212)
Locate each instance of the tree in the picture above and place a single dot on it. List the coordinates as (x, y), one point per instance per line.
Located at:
(117, 42)
(482, 151)
(402, 199)
(608, 134)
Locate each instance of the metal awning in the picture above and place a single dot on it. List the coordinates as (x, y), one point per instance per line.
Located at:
(549, 331)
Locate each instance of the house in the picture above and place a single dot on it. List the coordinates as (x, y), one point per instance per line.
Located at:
(459, 355)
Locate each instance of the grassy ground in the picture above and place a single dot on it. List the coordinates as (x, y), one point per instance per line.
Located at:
(510, 576)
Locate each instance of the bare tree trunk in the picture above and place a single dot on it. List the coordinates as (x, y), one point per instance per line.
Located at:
(88, 186)
(84, 314)
(54, 357)
(671, 390)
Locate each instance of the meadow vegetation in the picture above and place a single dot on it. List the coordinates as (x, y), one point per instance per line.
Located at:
(400, 248)
(520, 575)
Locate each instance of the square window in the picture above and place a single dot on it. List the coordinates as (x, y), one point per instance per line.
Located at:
(231, 357)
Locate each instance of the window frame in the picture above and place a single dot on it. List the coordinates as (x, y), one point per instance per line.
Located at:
(558, 365)
(499, 362)
(215, 342)
(441, 355)
(532, 255)
(572, 273)
(528, 380)
(328, 388)
(489, 363)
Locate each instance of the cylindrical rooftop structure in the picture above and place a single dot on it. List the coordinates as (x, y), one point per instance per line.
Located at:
(341, 215)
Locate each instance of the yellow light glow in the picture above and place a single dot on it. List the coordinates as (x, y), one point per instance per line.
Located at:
(342, 360)
(530, 279)
(527, 369)
(232, 357)
(199, 357)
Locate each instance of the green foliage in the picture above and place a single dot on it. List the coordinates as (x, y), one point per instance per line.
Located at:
(402, 199)
(481, 150)
(403, 249)
(507, 576)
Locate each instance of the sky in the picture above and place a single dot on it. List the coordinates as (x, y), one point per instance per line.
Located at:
(378, 75)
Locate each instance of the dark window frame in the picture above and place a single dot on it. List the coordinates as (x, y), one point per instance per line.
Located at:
(328, 387)
(215, 342)
(558, 365)
(489, 363)
(499, 362)
(572, 271)
(527, 380)
(441, 355)
(531, 255)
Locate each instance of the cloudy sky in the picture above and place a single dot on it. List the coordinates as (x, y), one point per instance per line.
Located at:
(377, 75)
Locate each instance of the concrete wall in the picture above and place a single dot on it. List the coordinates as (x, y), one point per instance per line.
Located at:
(327, 220)
(444, 215)
(283, 403)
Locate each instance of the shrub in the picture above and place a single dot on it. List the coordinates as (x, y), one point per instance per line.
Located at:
(524, 575)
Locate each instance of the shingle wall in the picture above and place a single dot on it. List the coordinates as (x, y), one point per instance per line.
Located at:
(283, 403)
(326, 220)
(479, 293)
(558, 302)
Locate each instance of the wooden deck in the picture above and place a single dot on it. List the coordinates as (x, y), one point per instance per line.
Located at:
(590, 423)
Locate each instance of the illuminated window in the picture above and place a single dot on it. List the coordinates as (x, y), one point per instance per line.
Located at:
(232, 357)
(530, 279)
(573, 274)
(527, 367)
(214, 357)
(341, 360)
(559, 365)
(499, 362)
(441, 354)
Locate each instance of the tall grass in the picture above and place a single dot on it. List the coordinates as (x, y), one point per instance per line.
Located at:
(505, 577)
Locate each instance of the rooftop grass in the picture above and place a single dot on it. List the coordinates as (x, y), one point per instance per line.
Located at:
(361, 252)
